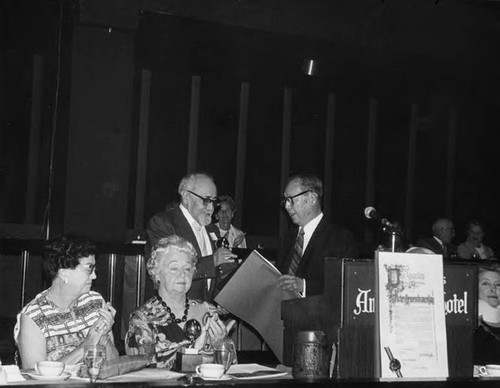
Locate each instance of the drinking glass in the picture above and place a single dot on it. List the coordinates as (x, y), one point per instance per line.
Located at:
(225, 353)
(94, 356)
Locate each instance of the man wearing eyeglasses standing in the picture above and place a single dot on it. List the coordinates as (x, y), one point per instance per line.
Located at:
(302, 254)
(192, 221)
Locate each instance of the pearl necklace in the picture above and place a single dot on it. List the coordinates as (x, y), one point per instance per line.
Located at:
(172, 315)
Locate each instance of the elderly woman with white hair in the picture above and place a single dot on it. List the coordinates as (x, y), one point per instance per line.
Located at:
(157, 327)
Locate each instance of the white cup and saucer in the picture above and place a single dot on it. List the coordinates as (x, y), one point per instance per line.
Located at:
(212, 372)
(489, 371)
(50, 370)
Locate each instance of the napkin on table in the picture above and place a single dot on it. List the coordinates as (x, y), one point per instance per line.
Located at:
(13, 373)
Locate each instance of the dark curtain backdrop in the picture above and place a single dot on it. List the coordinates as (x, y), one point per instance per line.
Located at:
(176, 48)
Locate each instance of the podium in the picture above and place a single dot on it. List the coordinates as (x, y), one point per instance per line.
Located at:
(346, 313)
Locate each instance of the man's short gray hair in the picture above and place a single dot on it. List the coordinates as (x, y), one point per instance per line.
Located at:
(439, 223)
(188, 181)
(309, 182)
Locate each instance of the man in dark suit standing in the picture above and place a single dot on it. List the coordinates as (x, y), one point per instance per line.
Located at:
(191, 219)
(443, 232)
(301, 259)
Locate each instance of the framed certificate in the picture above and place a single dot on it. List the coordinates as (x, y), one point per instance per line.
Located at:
(411, 328)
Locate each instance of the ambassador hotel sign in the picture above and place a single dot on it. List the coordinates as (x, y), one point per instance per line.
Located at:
(460, 294)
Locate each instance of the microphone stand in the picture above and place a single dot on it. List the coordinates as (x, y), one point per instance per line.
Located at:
(395, 237)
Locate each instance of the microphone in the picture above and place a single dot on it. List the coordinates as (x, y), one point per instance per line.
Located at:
(372, 214)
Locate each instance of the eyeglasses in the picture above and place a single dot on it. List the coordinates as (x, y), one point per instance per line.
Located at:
(89, 268)
(289, 200)
(206, 200)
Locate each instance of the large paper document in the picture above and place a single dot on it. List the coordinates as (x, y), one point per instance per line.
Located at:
(411, 316)
(252, 295)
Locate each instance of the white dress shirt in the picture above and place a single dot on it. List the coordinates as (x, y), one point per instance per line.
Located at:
(200, 233)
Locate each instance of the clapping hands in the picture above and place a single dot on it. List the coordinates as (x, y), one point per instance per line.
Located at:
(215, 329)
(99, 331)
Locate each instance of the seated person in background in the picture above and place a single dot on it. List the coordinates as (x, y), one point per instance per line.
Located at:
(487, 335)
(157, 327)
(473, 247)
(442, 236)
(224, 217)
(61, 320)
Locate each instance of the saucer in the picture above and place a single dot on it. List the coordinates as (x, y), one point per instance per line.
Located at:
(487, 376)
(62, 376)
(222, 378)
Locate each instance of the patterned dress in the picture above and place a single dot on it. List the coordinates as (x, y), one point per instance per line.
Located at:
(64, 329)
(152, 332)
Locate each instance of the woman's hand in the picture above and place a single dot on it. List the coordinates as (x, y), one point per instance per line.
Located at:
(214, 329)
(98, 333)
(217, 330)
(200, 342)
(107, 313)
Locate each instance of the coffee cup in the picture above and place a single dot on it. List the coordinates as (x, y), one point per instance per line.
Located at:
(49, 368)
(492, 370)
(210, 371)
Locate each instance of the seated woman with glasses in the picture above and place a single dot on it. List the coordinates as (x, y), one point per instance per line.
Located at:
(169, 321)
(61, 320)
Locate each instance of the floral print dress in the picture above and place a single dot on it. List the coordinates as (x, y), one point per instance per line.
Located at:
(152, 331)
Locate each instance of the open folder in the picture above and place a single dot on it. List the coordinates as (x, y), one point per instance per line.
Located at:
(252, 295)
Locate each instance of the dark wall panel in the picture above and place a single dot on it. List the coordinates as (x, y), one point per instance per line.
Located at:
(100, 128)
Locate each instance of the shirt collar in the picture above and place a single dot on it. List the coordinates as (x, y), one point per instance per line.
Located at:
(310, 227)
(192, 222)
(439, 241)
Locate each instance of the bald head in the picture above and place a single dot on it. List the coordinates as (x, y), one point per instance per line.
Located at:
(443, 229)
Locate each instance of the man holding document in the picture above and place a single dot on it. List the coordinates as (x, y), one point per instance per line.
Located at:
(255, 292)
(312, 239)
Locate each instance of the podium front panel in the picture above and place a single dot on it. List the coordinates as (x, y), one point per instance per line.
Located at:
(346, 313)
(358, 317)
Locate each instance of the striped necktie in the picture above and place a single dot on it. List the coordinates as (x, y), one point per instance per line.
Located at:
(297, 253)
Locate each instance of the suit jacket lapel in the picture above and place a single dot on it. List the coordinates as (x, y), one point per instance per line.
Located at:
(439, 247)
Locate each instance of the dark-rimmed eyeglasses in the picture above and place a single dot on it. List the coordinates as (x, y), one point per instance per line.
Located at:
(88, 268)
(206, 200)
(289, 200)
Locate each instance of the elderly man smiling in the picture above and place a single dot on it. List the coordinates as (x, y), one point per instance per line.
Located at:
(191, 220)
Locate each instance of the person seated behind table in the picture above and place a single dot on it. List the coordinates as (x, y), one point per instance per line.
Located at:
(61, 320)
(224, 217)
(487, 335)
(156, 327)
(440, 243)
(473, 247)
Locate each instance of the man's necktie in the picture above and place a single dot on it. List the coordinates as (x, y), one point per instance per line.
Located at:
(297, 253)
(201, 239)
